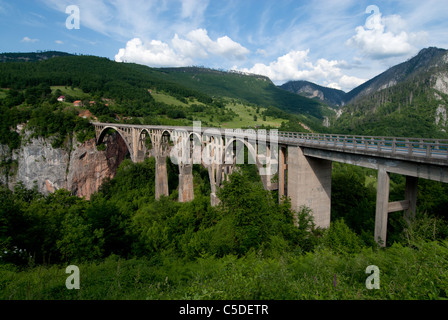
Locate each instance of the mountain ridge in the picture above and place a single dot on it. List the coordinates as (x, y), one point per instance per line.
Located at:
(31, 56)
(423, 60)
(332, 97)
(409, 99)
(426, 58)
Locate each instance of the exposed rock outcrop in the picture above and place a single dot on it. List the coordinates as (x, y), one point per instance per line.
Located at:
(77, 167)
(40, 163)
(89, 167)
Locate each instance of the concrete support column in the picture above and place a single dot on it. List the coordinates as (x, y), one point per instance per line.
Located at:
(382, 206)
(135, 137)
(186, 193)
(161, 177)
(309, 184)
(411, 196)
(282, 173)
(215, 175)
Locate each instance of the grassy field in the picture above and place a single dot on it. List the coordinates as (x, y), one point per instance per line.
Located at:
(246, 117)
(164, 98)
(75, 92)
(210, 117)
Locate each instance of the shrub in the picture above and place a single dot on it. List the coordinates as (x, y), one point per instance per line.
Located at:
(341, 239)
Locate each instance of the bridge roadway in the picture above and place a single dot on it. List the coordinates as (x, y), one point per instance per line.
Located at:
(300, 162)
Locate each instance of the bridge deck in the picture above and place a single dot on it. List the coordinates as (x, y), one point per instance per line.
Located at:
(429, 151)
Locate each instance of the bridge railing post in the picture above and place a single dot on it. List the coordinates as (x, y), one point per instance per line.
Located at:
(410, 146)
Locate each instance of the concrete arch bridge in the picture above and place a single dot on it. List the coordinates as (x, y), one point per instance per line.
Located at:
(300, 162)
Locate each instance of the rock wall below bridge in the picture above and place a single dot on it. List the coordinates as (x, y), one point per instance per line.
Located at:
(77, 167)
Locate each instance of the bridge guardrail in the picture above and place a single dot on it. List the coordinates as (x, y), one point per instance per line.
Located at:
(428, 148)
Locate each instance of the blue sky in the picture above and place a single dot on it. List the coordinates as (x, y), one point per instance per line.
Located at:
(333, 43)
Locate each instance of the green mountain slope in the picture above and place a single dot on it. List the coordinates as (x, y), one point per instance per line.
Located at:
(109, 91)
(122, 80)
(254, 89)
(410, 99)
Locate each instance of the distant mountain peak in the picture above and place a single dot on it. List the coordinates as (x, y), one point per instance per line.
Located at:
(332, 97)
(426, 59)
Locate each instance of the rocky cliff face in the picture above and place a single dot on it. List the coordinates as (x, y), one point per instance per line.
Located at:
(332, 97)
(78, 167)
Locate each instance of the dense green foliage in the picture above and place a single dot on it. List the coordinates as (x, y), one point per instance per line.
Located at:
(130, 246)
(45, 116)
(405, 273)
(123, 218)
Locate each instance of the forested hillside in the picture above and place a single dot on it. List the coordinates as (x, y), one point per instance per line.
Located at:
(134, 93)
(253, 88)
(408, 100)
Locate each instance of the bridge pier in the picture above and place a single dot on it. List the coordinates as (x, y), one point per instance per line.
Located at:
(384, 207)
(161, 187)
(186, 193)
(282, 173)
(309, 184)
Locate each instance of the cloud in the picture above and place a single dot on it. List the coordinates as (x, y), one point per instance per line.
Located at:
(29, 40)
(193, 8)
(385, 37)
(223, 46)
(195, 46)
(156, 53)
(123, 19)
(59, 42)
(296, 65)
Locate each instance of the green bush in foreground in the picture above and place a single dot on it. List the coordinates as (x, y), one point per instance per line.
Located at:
(405, 273)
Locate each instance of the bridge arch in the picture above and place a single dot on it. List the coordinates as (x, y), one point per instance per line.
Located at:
(144, 144)
(231, 144)
(104, 132)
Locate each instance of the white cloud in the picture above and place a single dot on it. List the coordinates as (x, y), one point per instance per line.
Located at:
(193, 8)
(296, 65)
(156, 53)
(59, 42)
(223, 46)
(182, 52)
(27, 39)
(385, 37)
